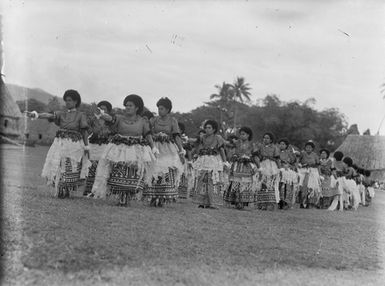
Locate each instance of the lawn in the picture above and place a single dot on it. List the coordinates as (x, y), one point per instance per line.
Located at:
(79, 241)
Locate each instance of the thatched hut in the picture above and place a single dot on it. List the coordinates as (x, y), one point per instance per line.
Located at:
(11, 122)
(367, 152)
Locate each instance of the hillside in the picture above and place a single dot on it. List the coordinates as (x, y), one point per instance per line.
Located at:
(21, 93)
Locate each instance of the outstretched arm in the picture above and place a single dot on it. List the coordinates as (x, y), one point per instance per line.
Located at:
(36, 115)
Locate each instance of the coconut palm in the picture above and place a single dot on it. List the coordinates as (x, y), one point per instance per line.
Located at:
(240, 90)
(224, 92)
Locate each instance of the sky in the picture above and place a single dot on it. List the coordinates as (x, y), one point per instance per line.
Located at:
(332, 51)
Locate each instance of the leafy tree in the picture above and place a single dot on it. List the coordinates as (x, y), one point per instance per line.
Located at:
(296, 121)
(32, 104)
(54, 104)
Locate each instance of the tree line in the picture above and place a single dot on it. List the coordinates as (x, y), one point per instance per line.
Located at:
(232, 107)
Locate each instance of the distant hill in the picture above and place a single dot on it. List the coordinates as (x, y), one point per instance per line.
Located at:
(21, 93)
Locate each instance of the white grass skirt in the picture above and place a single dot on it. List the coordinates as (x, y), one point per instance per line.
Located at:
(209, 163)
(168, 158)
(139, 156)
(61, 149)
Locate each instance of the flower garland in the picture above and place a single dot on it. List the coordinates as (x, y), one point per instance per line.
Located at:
(208, 152)
(129, 141)
(98, 139)
(241, 159)
(163, 138)
(69, 134)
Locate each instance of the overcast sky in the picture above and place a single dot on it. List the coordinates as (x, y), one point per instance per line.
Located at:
(181, 49)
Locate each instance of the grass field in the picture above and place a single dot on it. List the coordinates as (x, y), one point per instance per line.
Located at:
(79, 241)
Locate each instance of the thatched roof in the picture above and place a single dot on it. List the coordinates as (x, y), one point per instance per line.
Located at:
(8, 106)
(366, 151)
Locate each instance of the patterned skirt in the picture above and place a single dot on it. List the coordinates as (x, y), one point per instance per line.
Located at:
(124, 178)
(329, 187)
(183, 187)
(206, 192)
(69, 178)
(240, 189)
(163, 187)
(90, 179)
(268, 190)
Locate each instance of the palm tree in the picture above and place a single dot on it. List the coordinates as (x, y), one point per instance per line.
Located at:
(224, 92)
(239, 92)
(223, 97)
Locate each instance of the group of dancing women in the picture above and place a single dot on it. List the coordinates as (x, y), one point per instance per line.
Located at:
(138, 156)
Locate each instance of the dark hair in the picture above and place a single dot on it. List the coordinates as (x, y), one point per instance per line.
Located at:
(148, 114)
(284, 140)
(182, 127)
(338, 155)
(247, 130)
(326, 151)
(136, 100)
(367, 173)
(270, 135)
(106, 104)
(201, 131)
(165, 102)
(310, 143)
(75, 96)
(348, 161)
(213, 124)
(232, 137)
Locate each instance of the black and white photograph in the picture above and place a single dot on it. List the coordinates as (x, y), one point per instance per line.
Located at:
(192, 142)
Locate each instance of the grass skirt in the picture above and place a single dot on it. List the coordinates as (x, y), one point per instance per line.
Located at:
(96, 151)
(63, 165)
(310, 183)
(166, 173)
(241, 189)
(209, 180)
(351, 195)
(268, 187)
(186, 182)
(288, 186)
(123, 168)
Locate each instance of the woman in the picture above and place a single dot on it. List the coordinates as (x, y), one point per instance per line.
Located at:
(338, 170)
(98, 141)
(125, 165)
(187, 179)
(288, 182)
(63, 164)
(267, 154)
(168, 167)
(328, 181)
(240, 191)
(351, 195)
(310, 183)
(368, 183)
(208, 168)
